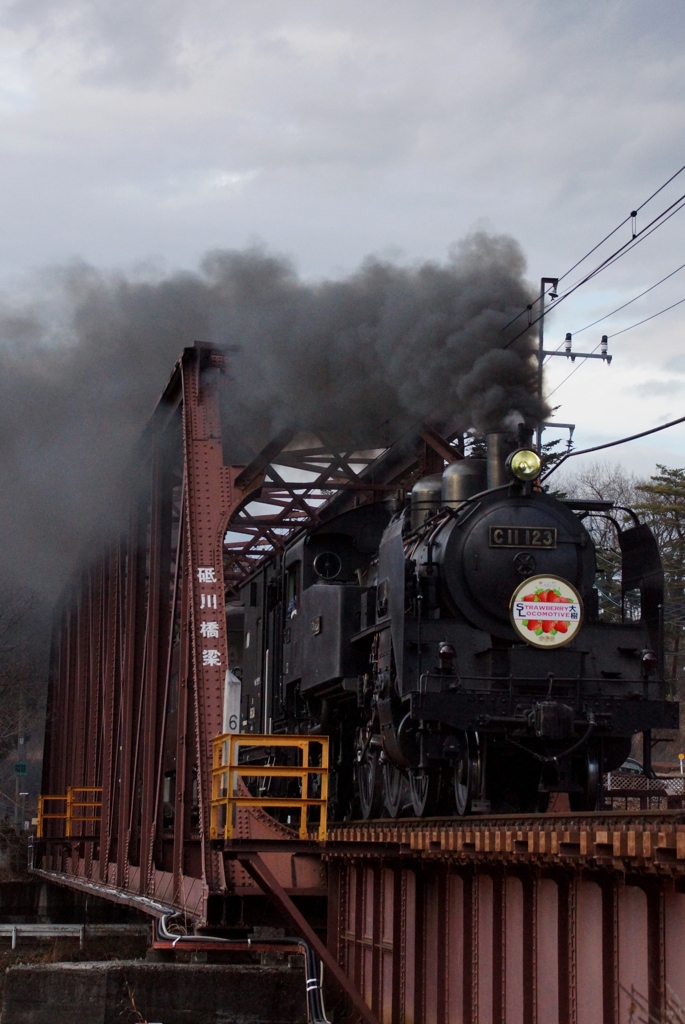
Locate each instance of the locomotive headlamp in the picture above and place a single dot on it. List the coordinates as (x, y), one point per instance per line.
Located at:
(524, 464)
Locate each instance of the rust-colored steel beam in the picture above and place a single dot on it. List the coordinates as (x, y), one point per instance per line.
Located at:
(446, 451)
(140, 648)
(512, 919)
(518, 944)
(609, 946)
(270, 885)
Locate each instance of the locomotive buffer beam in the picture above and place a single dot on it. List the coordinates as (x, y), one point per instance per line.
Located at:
(493, 710)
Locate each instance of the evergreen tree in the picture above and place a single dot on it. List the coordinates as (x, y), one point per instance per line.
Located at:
(660, 503)
(662, 507)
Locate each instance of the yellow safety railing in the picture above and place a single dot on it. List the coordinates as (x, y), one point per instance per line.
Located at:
(227, 769)
(43, 816)
(72, 805)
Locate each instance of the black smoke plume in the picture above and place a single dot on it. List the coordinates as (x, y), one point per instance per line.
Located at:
(81, 367)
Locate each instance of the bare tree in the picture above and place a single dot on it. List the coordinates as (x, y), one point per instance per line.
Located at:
(605, 482)
(24, 641)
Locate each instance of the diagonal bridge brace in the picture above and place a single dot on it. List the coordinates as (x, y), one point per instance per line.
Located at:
(271, 887)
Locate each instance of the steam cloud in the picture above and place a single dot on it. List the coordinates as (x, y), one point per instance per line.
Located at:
(81, 368)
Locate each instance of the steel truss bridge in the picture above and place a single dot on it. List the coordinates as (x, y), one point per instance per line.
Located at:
(523, 920)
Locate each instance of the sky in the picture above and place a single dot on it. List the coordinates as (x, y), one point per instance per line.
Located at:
(138, 137)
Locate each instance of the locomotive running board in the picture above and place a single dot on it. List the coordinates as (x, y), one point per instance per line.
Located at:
(270, 886)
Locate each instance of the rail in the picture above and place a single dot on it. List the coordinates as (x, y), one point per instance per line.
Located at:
(227, 770)
(72, 804)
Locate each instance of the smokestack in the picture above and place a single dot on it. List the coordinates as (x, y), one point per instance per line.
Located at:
(525, 437)
(500, 445)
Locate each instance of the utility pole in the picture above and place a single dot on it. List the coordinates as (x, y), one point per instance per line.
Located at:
(554, 281)
(19, 770)
(567, 352)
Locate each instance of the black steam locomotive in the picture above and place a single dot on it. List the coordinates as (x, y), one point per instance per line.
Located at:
(455, 652)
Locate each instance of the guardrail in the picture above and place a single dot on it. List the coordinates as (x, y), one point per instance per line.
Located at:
(227, 770)
(73, 931)
(666, 791)
(72, 805)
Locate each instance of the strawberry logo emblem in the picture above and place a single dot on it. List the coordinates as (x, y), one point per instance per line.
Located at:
(546, 611)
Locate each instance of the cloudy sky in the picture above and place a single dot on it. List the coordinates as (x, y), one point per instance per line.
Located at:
(140, 135)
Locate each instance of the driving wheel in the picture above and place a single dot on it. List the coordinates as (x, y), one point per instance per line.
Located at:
(466, 772)
(393, 789)
(424, 791)
(369, 781)
(587, 774)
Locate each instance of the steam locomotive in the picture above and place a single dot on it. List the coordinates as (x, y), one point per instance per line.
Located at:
(455, 652)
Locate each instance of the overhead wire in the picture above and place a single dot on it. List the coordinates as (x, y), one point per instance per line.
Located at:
(569, 271)
(636, 239)
(612, 444)
(661, 188)
(649, 229)
(616, 333)
(652, 317)
(629, 303)
(574, 370)
(596, 247)
(624, 221)
(624, 330)
(631, 244)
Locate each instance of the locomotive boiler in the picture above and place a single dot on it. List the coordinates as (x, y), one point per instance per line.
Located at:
(456, 651)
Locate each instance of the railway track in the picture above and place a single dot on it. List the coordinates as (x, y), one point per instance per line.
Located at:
(651, 842)
(554, 820)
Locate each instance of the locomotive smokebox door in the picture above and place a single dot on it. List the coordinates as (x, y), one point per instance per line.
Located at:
(504, 541)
